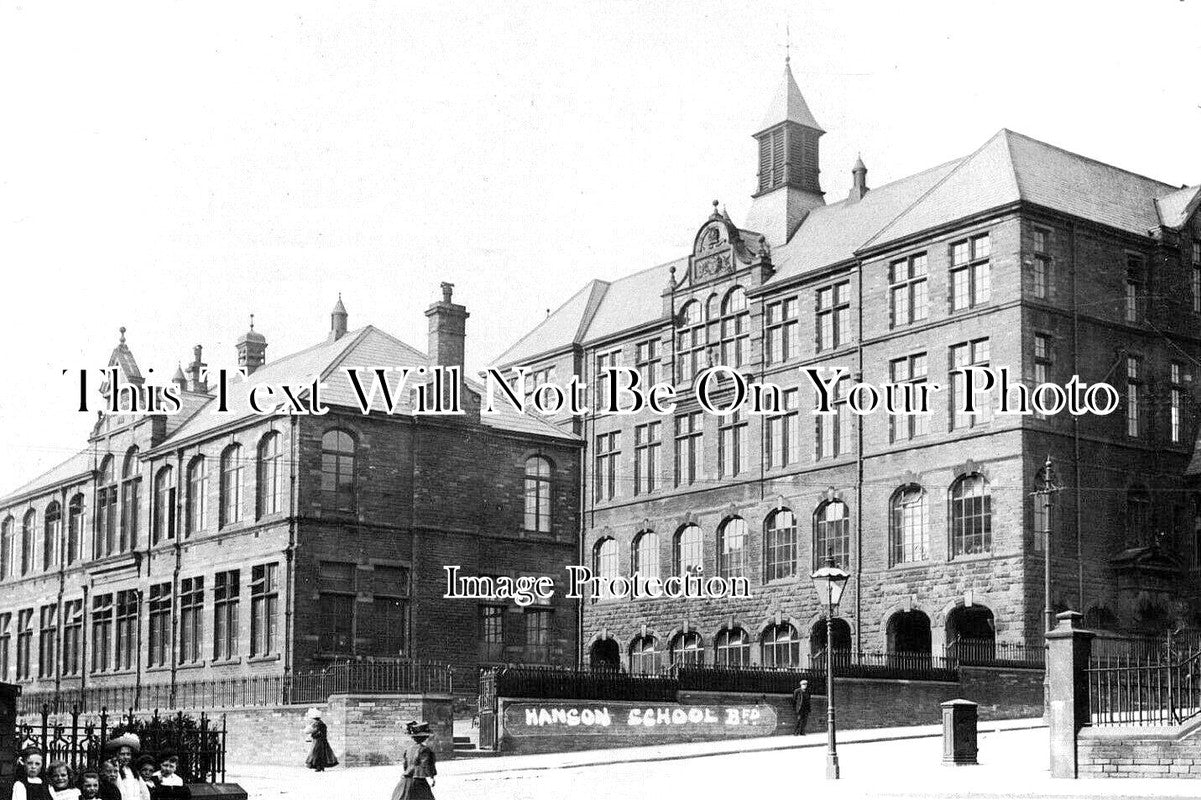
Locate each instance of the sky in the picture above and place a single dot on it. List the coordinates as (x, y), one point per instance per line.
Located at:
(175, 167)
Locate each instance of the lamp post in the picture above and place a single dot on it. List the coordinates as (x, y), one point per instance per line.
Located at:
(1046, 495)
(829, 581)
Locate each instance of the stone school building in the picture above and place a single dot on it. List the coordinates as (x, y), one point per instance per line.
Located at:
(174, 549)
(1019, 254)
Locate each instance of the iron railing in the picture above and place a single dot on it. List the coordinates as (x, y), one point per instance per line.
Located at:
(1139, 688)
(990, 653)
(576, 684)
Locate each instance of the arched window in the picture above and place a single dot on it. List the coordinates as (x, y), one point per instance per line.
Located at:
(842, 640)
(52, 531)
(832, 534)
(780, 646)
(537, 494)
(198, 488)
(781, 545)
(131, 484)
(643, 658)
(6, 548)
(909, 638)
(908, 536)
(732, 648)
(270, 476)
(689, 551)
(106, 508)
(231, 485)
(735, 332)
(28, 532)
(690, 342)
(74, 528)
(604, 563)
(337, 470)
(646, 554)
(971, 516)
(687, 650)
(731, 548)
(164, 506)
(1138, 518)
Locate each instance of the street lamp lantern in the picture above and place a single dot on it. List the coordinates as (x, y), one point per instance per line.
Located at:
(829, 582)
(1045, 495)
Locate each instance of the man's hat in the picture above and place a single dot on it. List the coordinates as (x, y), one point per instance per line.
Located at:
(129, 740)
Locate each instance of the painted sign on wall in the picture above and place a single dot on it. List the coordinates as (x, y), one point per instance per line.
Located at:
(633, 720)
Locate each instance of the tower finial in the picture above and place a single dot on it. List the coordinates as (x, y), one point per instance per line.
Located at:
(787, 44)
(252, 322)
(122, 330)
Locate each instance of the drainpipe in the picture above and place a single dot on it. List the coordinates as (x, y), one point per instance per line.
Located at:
(858, 485)
(181, 526)
(64, 522)
(290, 553)
(1076, 433)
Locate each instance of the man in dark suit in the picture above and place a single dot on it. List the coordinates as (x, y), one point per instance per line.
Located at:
(800, 704)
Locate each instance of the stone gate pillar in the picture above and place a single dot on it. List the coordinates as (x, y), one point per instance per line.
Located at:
(1068, 651)
(8, 739)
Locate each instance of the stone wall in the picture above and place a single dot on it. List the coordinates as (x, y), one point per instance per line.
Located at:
(1138, 753)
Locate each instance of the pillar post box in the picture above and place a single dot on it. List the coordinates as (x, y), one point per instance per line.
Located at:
(959, 732)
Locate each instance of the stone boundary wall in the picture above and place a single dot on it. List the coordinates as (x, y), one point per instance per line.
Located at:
(1129, 752)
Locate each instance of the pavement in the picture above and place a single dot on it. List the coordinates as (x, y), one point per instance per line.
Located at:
(883, 763)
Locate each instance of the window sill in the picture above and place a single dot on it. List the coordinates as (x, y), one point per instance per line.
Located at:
(964, 557)
(191, 665)
(158, 668)
(113, 673)
(262, 659)
(226, 662)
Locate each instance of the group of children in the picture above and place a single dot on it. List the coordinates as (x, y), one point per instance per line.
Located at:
(119, 777)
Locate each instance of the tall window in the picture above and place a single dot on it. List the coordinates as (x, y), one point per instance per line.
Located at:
(970, 279)
(225, 614)
(833, 316)
(605, 563)
(608, 453)
(783, 342)
(5, 647)
(832, 534)
(690, 342)
(735, 334)
(164, 506)
(106, 508)
(834, 429)
(647, 362)
(731, 548)
(127, 629)
(643, 658)
(335, 604)
(604, 363)
(1134, 392)
(689, 452)
(492, 632)
(271, 482)
(648, 441)
(47, 640)
(780, 646)
(907, 290)
(1042, 363)
(6, 548)
(1042, 264)
(52, 533)
(537, 634)
(102, 632)
(689, 551)
(687, 650)
(535, 379)
(783, 443)
(781, 545)
(264, 608)
(1175, 400)
(72, 636)
(159, 611)
(732, 648)
(908, 373)
(646, 554)
(537, 494)
(191, 619)
(131, 489)
(974, 354)
(74, 529)
(909, 538)
(1134, 288)
(387, 623)
(231, 484)
(971, 516)
(198, 487)
(731, 445)
(1138, 518)
(337, 470)
(28, 537)
(24, 644)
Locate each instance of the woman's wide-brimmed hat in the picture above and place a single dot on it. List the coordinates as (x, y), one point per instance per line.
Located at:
(129, 740)
(418, 729)
(312, 713)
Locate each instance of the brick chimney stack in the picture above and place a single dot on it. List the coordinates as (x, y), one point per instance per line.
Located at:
(199, 382)
(858, 182)
(448, 330)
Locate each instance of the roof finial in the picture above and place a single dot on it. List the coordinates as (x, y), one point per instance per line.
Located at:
(122, 329)
(787, 44)
(252, 322)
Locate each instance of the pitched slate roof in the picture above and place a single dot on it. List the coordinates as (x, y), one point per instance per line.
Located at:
(77, 464)
(1175, 208)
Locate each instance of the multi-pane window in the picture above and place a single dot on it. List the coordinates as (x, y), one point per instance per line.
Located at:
(648, 440)
(783, 342)
(5, 646)
(198, 484)
(6, 548)
(537, 634)
(973, 354)
(75, 523)
(1042, 363)
(24, 644)
(909, 538)
(106, 509)
(271, 481)
(335, 607)
(732, 648)
(191, 619)
(646, 554)
(163, 527)
(337, 470)
(970, 278)
(535, 379)
(1134, 392)
(687, 650)
(537, 494)
(605, 563)
(52, 531)
(608, 453)
(647, 362)
(1175, 400)
(832, 534)
(689, 452)
(131, 486)
(735, 333)
(971, 516)
(225, 615)
(910, 371)
(833, 317)
(1134, 288)
(731, 548)
(102, 632)
(604, 363)
(1138, 518)
(732, 453)
(834, 429)
(231, 484)
(159, 618)
(492, 632)
(387, 625)
(689, 551)
(28, 537)
(264, 608)
(643, 657)
(907, 290)
(783, 443)
(780, 646)
(1042, 264)
(781, 546)
(72, 636)
(690, 342)
(126, 629)
(47, 640)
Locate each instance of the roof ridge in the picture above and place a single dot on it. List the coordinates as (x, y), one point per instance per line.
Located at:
(586, 287)
(600, 289)
(844, 202)
(341, 356)
(1090, 159)
(31, 483)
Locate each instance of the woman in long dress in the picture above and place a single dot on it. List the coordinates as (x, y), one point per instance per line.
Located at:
(321, 755)
(419, 766)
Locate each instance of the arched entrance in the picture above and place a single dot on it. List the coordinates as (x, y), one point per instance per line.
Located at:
(971, 634)
(842, 641)
(909, 639)
(605, 654)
